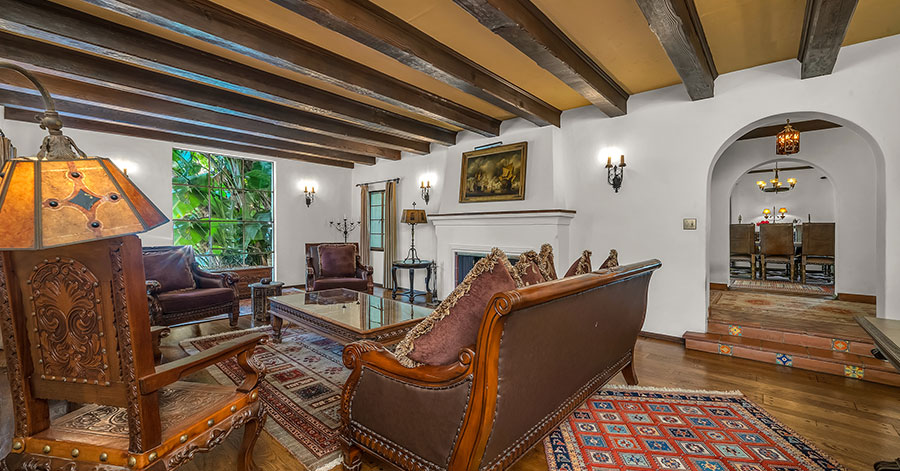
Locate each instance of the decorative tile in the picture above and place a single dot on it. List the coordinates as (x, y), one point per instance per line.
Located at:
(840, 345)
(784, 359)
(735, 330)
(726, 349)
(855, 372)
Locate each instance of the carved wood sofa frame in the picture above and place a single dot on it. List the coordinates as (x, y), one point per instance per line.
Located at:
(485, 411)
(75, 328)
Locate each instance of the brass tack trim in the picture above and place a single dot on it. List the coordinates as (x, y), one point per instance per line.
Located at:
(254, 395)
(17, 445)
(75, 452)
(183, 438)
(132, 461)
(210, 422)
(104, 457)
(233, 409)
(152, 457)
(46, 449)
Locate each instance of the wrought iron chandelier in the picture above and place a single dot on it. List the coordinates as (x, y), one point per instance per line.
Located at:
(787, 141)
(775, 185)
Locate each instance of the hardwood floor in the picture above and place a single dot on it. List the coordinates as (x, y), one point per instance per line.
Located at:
(856, 422)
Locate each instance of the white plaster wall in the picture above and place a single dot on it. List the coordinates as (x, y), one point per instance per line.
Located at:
(671, 144)
(149, 164)
(811, 197)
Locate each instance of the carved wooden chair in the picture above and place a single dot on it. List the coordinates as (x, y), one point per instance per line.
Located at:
(75, 325)
(818, 247)
(337, 265)
(743, 246)
(776, 245)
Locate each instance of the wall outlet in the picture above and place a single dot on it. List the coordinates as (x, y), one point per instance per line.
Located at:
(690, 224)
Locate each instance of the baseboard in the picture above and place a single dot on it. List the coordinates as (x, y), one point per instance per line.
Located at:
(857, 298)
(667, 338)
(718, 286)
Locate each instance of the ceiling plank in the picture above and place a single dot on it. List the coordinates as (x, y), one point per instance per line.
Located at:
(524, 26)
(676, 24)
(205, 20)
(73, 108)
(40, 20)
(785, 169)
(802, 126)
(112, 99)
(66, 63)
(369, 24)
(824, 27)
(88, 124)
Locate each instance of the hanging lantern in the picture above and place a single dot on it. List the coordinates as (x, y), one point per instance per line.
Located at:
(787, 141)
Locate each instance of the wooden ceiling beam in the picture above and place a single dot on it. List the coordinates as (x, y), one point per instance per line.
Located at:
(74, 108)
(377, 28)
(526, 27)
(212, 23)
(66, 63)
(112, 99)
(802, 126)
(43, 21)
(824, 28)
(677, 26)
(90, 124)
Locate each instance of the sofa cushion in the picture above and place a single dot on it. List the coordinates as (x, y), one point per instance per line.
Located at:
(171, 268)
(454, 325)
(612, 261)
(581, 266)
(356, 284)
(193, 299)
(337, 260)
(527, 270)
(546, 263)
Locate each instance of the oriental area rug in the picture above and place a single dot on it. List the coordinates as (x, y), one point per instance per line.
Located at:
(634, 428)
(302, 390)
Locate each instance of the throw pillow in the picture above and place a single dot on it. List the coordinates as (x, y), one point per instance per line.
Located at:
(528, 269)
(171, 268)
(546, 263)
(581, 266)
(454, 325)
(337, 260)
(612, 261)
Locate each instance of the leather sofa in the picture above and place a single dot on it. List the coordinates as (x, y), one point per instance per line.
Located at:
(336, 265)
(499, 399)
(180, 291)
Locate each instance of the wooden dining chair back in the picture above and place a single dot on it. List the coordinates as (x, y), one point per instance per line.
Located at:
(776, 244)
(76, 323)
(817, 247)
(743, 245)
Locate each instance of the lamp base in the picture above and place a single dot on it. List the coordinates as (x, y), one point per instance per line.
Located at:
(412, 256)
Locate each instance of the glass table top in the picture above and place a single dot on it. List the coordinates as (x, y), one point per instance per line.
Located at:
(358, 311)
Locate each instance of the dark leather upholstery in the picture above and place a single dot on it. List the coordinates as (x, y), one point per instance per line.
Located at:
(175, 299)
(357, 279)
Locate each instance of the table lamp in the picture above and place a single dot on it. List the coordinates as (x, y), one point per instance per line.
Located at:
(412, 217)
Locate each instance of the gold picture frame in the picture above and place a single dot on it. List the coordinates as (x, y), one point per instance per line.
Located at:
(495, 174)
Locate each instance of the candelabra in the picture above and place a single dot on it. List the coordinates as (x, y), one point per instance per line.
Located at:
(344, 227)
(615, 173)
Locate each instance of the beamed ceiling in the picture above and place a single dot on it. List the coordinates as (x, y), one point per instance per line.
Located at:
(345, 82)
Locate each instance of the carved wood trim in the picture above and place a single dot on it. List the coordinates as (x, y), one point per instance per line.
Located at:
(13, 361)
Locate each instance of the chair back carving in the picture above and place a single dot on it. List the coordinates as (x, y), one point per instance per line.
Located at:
(75, 322)
(776, 239)
(743, 239)
(818, 239)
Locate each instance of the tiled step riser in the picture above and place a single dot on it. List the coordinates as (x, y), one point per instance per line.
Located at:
(879, 375)
(855, 347)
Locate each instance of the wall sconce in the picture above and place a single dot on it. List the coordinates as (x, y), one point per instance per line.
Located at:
(310, 193)
(425, 188)
(615, 173)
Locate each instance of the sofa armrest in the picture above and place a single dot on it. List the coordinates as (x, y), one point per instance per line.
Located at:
(363, 272)
(207, 279)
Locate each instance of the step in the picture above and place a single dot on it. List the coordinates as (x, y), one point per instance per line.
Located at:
(797, 356)
(854, 345)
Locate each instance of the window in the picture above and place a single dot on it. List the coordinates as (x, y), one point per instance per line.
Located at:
(222, 206)
(376, 220)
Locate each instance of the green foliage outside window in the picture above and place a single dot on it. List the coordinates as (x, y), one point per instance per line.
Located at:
(222, 206)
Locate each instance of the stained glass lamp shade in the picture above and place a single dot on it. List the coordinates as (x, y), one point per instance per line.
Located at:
(63, 197)
(413, 216)
(787, 141)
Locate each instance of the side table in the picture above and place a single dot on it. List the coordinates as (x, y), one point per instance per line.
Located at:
(426, 265)
(259, 299)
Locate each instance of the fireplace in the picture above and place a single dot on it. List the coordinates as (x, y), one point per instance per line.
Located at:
(465, 261)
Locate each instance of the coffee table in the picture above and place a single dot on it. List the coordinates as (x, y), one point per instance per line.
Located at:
(346, 315)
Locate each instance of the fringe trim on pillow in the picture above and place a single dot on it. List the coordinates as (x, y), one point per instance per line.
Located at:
(584, 263)
(545, 263)
(612, 261)
(486, 264)
(527, 260)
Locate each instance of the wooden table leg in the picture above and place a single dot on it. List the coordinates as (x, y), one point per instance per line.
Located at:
(394, 278)
(428, 296)
(277, 324)
(412, 281)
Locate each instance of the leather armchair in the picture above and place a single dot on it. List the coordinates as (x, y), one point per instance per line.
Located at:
(335, 265)
(179, 291)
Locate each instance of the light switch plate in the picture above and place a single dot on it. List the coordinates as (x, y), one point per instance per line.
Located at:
(690, 224)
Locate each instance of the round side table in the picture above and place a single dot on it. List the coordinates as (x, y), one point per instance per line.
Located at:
(259, 299)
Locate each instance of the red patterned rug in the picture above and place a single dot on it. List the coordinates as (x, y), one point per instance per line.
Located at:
(302, 390)
(633, 428)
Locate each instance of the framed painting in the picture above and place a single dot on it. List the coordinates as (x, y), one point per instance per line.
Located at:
(495, 174)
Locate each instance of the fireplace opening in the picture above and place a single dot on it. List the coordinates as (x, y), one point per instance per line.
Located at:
(465, 261)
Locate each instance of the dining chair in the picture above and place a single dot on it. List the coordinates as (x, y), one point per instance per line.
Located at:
(777, 246)
(743, 246)
(818, 247)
